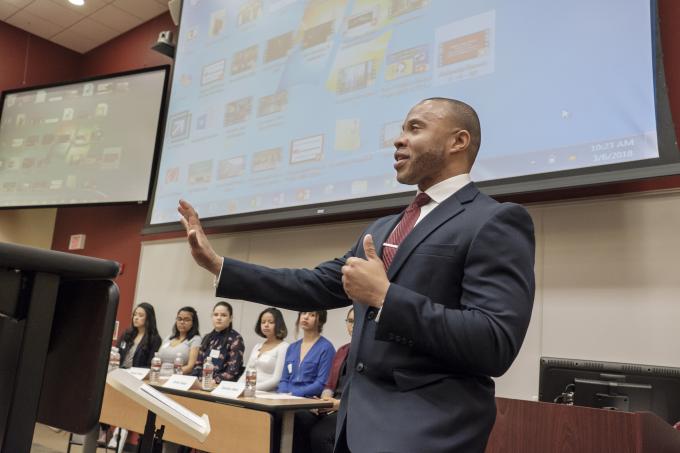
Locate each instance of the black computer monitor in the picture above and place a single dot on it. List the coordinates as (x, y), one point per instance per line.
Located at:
(610, 385)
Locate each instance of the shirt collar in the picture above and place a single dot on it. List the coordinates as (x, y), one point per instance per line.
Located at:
(444, 189)
(222, 332)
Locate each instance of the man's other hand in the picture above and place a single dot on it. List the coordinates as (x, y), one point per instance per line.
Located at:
(365, 280)
(201, 249)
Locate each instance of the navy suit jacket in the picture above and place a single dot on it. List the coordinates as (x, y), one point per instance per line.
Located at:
(455, 315)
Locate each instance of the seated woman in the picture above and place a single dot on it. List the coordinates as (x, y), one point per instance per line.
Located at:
(137, 347)
(268, 357)
(141, 341)
(184, 341)
(223, 345)
(308, 361)
(314, 431)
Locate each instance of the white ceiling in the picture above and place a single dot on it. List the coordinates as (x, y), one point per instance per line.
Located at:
(80, 28)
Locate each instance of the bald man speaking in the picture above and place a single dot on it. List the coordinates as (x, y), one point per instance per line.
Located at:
(442, 294)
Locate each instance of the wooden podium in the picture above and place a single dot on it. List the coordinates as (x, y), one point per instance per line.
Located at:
(533, 427)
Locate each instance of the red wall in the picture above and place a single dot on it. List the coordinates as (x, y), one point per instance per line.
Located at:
(669, 13)
(112, 233)
(41, 61)
(131, 50)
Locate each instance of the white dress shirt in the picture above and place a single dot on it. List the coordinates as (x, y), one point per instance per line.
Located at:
(441, 191)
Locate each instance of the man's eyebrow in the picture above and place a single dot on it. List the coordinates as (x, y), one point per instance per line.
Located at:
(413, 121)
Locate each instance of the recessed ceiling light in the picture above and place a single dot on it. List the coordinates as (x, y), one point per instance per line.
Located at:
(77, 2)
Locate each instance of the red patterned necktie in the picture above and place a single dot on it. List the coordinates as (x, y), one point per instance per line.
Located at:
(404, 227)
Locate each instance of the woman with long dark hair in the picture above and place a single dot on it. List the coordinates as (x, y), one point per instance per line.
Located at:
(268, 357)
(185, 340)
(138, 346)
(141, 341)
(224, 346)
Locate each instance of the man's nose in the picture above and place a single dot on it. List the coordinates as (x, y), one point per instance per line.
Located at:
(400, 141)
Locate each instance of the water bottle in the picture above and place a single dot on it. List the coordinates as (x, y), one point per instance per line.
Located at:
(154, 376)
(178, 364)
(114, 359)
(167, 370)
(251, 381)
(207, 381)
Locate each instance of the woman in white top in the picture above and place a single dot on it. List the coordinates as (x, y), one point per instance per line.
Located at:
(185, 340)
(268, 357)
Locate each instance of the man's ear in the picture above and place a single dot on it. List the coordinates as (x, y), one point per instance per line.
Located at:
(459, 141)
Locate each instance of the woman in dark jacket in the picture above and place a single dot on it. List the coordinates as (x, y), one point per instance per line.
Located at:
(141, 340)
(224, 346)
(137, 347)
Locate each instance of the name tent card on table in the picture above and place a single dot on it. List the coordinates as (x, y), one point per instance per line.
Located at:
(228, 389)
(139, 373)
(180, 382)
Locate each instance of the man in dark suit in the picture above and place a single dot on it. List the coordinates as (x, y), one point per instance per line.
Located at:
(442, 294)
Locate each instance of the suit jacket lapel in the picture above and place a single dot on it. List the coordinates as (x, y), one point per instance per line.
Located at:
(448, 209)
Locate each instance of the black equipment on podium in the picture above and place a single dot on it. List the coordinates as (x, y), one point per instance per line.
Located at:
(57, 314)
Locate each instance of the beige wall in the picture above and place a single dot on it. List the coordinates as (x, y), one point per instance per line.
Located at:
(606, 273)
(607, 285)
(32, 227)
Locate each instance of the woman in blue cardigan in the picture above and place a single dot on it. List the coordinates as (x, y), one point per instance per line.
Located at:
(308, 361)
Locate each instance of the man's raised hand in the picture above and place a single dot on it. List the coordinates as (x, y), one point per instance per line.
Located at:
(201, 249)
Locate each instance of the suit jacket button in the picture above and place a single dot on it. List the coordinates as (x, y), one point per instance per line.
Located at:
(360, 367)
(371, 314)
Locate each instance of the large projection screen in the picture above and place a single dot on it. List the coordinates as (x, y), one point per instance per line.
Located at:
(88, 142)
(287, 108)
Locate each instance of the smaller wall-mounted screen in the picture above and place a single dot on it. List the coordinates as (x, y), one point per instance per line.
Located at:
(86, 142)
